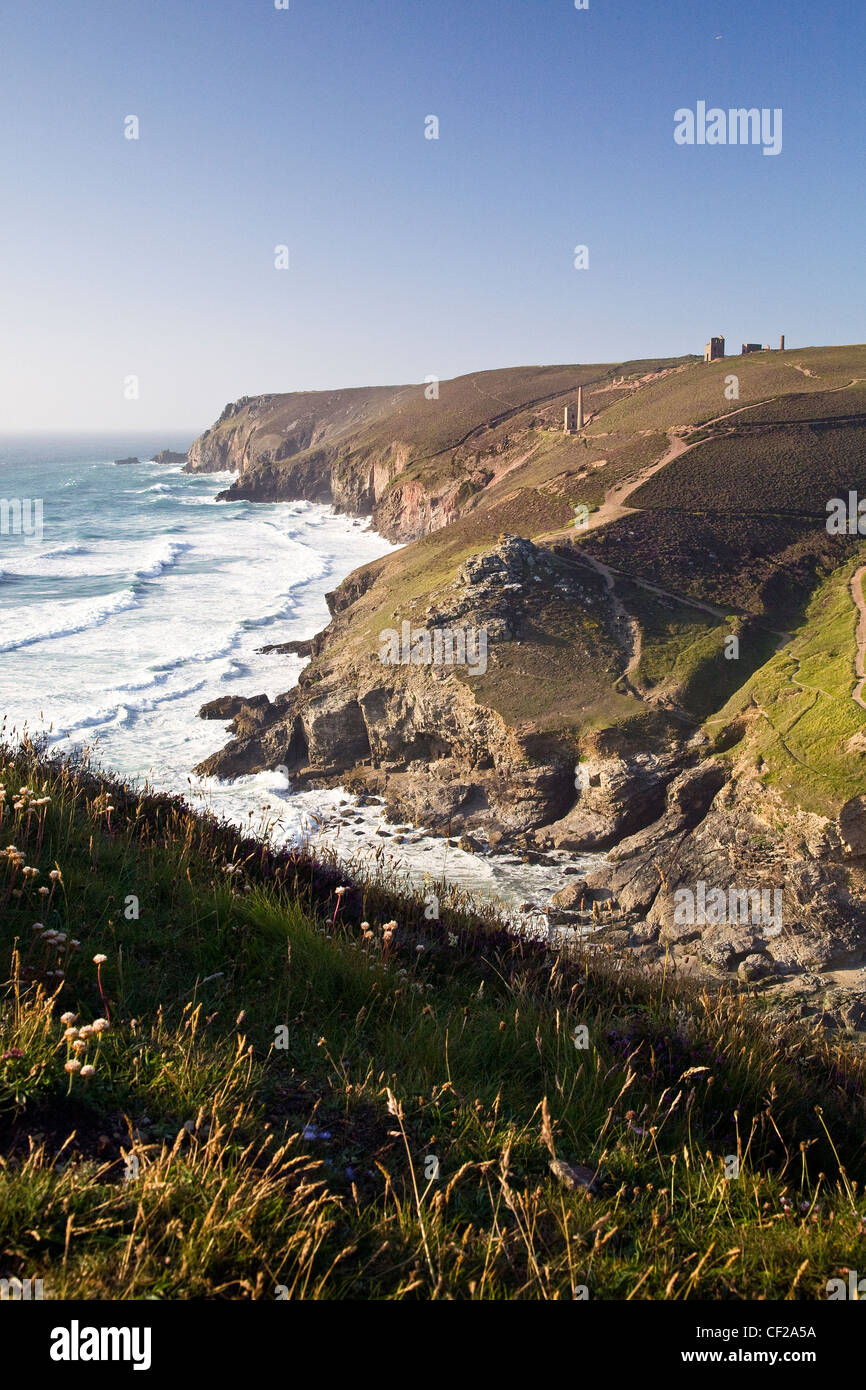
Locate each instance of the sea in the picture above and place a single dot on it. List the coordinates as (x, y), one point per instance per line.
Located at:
(129, 597)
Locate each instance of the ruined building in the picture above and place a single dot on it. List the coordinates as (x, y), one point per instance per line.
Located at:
(716, 348)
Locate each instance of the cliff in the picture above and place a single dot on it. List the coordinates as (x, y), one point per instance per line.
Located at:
(411, 460)
(668, 624)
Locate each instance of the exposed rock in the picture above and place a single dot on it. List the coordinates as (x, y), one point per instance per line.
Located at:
(129, 460)
(723, 945)
(169, 456)
(615, 938)
(715, 830)
(574, 1176)
(571, 896)
(247, 713)
(302, 647)
(227, 706)
(619, 793)
(852, 1013)
(852, 825)
(679, 933)
(754, 967)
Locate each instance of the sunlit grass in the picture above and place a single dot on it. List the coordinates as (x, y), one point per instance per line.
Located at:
(292, 1097)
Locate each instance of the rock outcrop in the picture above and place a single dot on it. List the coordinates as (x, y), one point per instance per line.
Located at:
(247, 714)
(169, 456)
(418, 733)
(727, 876)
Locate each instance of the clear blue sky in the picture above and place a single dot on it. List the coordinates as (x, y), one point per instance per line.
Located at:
(409, 257)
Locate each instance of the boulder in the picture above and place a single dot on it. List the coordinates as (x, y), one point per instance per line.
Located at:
(754, 967)
(571, 896)
(227, 706)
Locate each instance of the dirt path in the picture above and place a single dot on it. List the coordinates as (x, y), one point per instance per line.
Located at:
(613, 507)
(627, 625)
(860, 659)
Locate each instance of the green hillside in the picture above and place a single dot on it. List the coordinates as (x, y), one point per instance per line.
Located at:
(727, 538)
(283, 1101)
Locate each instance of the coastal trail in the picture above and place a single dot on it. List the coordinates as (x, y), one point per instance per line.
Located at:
(860, 657)
(614, 508)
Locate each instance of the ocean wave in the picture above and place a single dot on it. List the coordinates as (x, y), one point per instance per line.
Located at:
(120, 708)
(100, 560)
(47, 622)
(161, 563)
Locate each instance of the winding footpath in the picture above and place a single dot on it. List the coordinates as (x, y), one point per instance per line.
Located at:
(860, 658)
(614, 508)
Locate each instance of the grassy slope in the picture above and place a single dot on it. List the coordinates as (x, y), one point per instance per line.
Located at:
(737, 522)
(698, 394)
(806, 718)
(306, 1166)
(691, 511)
(791, 471)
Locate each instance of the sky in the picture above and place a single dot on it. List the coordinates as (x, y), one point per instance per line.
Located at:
(138, 280)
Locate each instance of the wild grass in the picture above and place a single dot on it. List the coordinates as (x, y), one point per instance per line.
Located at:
(698, 394)
(308, 1094)
(807, 736)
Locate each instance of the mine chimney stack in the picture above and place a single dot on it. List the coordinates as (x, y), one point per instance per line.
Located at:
(782, 343)
(580, 420)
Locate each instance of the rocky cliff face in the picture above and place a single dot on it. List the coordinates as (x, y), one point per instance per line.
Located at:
(313, 463)
(412, 462)
(295, 447)
(417, 731)
(727, 883)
